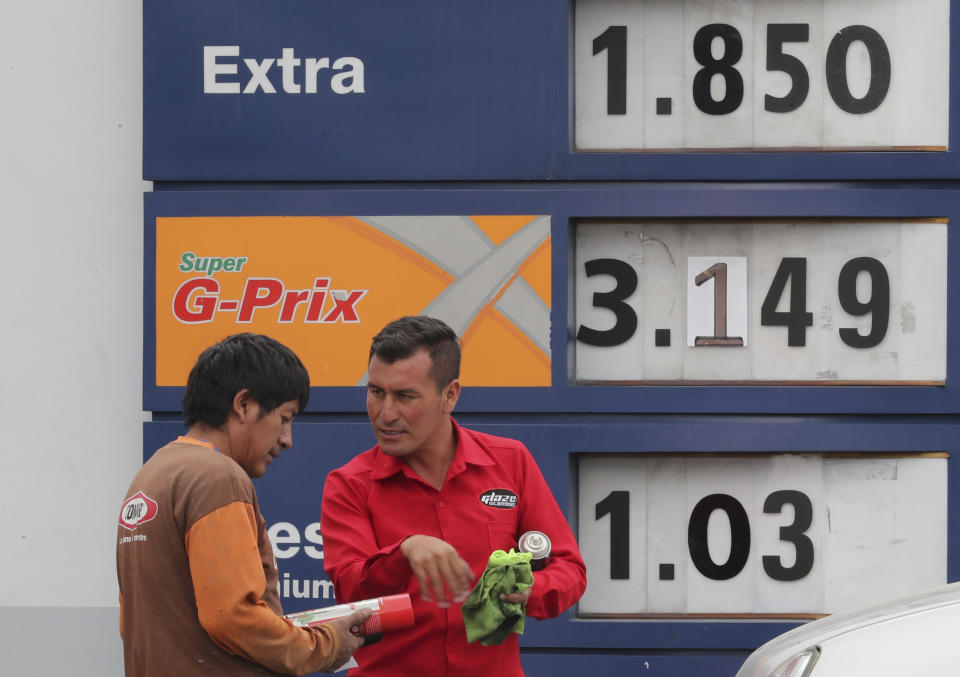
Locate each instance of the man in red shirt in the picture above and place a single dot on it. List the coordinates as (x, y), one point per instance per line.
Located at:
(409, 515)
(197, 575)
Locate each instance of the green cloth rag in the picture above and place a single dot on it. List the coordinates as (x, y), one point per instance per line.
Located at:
(488, 618)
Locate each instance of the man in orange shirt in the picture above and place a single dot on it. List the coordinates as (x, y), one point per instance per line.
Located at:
(197, 574)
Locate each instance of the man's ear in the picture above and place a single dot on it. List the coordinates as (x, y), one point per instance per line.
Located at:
(241, 403)
(450, 395)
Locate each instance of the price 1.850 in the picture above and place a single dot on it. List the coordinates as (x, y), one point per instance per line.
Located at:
(743, 74)
(613, 41)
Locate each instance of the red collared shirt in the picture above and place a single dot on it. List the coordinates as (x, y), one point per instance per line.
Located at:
(375, 501)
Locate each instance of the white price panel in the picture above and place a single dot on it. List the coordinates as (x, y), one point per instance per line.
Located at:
(769, 535)
(802, 302)
(761, 74)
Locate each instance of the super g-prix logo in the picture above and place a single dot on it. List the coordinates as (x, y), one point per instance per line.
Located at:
(486, 276)
(198, 299)
(136, 510)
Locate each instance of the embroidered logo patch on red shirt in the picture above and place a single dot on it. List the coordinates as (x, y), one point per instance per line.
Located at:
(499, 498)
(136, 510)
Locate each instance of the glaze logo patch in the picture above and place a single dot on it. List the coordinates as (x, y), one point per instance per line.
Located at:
(499, 498)
(136, 510)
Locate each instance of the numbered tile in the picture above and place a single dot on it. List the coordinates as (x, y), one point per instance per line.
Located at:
(922, 101)
(660, 332)
(789, 35)
(610, 77)
(613, 534)
(720, 571)
(789, 534)
(788, 343)
(610, 300)
(665, 92)
(717, 68)
(666, 551)
(918, 313)
(861, 303)
(717, 301)
(878, 508)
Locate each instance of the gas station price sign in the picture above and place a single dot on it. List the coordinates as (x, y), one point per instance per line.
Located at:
(752, 74)
(785, 301)
(758, 535)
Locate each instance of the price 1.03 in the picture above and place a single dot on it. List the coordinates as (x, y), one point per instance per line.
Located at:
(757, 533)
(617, 505)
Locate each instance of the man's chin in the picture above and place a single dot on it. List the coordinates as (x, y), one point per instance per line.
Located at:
(392, 447)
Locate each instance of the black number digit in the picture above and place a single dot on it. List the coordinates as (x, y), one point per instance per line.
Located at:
(797, 319)
(703, 52)
(613, 300)
(739, 537)
(614, 40)
(777, 35)
(792, 533)
(718, 273)
(837, 69)
(617, 505)
(878, 305)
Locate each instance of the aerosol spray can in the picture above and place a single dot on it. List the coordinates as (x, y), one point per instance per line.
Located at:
(538, 545)
(389, 613)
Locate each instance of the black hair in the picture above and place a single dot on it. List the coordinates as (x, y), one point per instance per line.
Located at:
(402, 338)
(270, 371)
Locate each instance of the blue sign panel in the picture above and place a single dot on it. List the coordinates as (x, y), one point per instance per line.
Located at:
(546, 90)
(788, 299)
(362, 90)
(875, 454)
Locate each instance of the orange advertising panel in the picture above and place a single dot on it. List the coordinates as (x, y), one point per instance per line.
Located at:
(325, 285)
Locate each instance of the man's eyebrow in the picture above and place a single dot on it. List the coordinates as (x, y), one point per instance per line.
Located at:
(397, 391)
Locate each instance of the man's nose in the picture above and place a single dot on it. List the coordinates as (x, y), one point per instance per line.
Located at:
(389, 413)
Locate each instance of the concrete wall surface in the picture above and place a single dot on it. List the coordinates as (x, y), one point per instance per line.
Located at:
(71, 269)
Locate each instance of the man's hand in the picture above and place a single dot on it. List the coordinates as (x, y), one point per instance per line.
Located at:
(444, 576)
(517, 597)
(348, 641)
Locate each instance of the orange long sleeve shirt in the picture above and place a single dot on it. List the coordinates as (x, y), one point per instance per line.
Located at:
(197, 575)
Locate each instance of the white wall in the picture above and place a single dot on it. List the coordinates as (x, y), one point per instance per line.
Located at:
(71, 339)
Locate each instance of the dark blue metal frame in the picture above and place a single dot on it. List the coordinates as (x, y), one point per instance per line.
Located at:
(477, 90)
(566, 203)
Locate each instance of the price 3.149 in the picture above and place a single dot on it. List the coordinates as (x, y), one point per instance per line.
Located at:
(796, 318)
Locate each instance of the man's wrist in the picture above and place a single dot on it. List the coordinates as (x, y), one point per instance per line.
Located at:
(405, 545)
